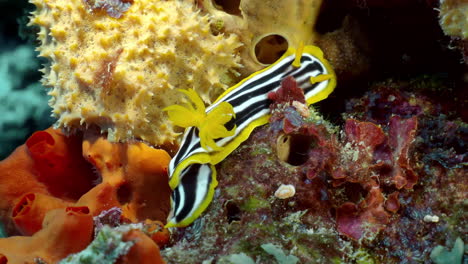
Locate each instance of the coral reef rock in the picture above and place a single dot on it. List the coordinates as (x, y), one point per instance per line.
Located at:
(454, 18)
(384, 188)
(117, 64)
(454, 22)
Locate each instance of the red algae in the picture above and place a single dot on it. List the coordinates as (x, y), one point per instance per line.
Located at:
(401, 134)
(365, 219)
(364, 134)
(392, 204)
(287, 93)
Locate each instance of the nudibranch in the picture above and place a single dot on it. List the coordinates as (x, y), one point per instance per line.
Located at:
(213, 133)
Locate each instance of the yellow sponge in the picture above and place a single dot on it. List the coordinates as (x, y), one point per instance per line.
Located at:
(117, 64)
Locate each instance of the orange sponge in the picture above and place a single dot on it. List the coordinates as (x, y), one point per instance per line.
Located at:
(49, 164)
(30, 210)
(66, 231)
(137, 172)
(143, 251)
(59, 163)
(17, 177)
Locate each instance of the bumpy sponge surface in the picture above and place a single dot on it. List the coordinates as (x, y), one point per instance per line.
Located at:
(118, 69)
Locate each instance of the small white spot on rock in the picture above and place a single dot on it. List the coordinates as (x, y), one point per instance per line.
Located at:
(431, 218)
(301, 108)
(285, 191)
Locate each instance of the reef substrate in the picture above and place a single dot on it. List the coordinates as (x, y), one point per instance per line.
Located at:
(385, 187)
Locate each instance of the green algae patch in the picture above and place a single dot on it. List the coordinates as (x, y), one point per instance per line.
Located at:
(440, 254)
(107, 247)
(363, 257)
(261, 151)
(254, 203)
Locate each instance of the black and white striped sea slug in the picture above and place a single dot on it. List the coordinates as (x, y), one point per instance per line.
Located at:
(213, 133)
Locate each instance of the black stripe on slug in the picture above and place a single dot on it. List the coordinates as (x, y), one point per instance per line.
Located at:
(194, 192)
